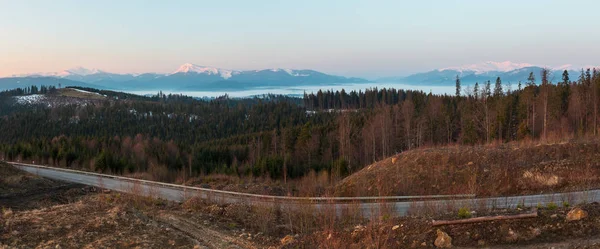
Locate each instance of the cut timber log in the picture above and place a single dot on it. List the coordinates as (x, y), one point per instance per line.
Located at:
(483, 219)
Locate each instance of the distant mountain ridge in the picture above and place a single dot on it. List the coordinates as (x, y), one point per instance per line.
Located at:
(23, 82)
(192, 77)
(508, 72)
(189, 77)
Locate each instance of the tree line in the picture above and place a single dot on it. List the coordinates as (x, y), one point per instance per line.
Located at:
(281, 137)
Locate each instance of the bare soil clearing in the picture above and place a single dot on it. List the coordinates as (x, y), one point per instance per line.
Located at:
(87, 224)
(42, 213)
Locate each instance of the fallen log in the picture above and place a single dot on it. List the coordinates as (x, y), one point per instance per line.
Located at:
(483, 219)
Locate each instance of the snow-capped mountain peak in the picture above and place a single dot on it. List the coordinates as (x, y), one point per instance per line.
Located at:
(488, 66)
(79, 71)
(193, 68)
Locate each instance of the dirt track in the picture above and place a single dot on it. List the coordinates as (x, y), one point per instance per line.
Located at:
(203, 233)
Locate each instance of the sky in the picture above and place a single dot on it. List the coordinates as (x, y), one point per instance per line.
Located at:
(351, 38)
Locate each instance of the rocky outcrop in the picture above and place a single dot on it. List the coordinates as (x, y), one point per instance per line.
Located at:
(576, 214)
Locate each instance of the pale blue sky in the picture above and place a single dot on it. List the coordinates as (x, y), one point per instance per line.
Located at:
(353, 38)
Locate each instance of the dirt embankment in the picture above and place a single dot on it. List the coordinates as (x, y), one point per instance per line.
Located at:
(503, 170)
(22, 191)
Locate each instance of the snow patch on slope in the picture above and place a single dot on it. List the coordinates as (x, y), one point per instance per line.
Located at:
(508, 66)
(30, 99)
(291, 72)
(573, 67)
(489, 66)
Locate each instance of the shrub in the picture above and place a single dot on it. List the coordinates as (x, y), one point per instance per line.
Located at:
(552, 206)
(6, 212)
(386, 217)
(565, 204)
(464, 213)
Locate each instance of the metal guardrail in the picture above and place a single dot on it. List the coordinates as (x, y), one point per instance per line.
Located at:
(255, 196)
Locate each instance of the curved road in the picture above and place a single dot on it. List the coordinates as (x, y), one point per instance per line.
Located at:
(366, 206)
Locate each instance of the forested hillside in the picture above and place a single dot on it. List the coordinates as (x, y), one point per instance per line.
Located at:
(282, 137)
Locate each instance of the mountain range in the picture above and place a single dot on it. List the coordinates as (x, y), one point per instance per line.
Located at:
(509, 72)
(191, 77)
(188, 77)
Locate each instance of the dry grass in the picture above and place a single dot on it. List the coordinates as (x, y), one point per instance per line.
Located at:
(278, 220)
(92, 223)
(491, 170)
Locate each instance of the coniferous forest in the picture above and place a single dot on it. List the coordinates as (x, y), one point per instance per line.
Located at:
(282, 137)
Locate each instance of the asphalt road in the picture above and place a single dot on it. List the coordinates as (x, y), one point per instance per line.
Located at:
(366, 206)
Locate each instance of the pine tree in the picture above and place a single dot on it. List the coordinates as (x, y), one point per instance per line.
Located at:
(530, 96)
(531, 79)
(498, 88)
(565, 77)
(565, 92)
(545, 92)
(588, 78)
(595, 100)
(457, 86)
(488, 90)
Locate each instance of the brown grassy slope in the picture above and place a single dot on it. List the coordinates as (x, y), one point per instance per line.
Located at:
(69, 92)
(507, 169)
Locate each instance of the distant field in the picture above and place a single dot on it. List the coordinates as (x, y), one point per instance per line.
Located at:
(76, 93)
